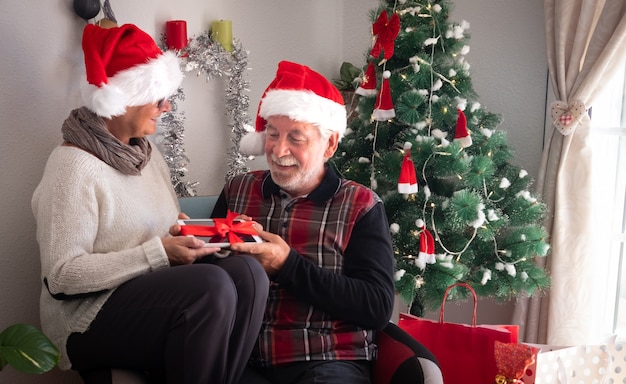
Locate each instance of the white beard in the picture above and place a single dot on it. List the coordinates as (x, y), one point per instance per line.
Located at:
(296, 179)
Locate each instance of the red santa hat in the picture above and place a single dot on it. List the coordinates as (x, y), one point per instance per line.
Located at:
(407, 183)
(368, 85)
(427, 248)
(125, 68)
(301, 94)
(384, 105)
(461, 134)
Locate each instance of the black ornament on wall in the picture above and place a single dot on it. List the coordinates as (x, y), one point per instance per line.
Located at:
(86, 9)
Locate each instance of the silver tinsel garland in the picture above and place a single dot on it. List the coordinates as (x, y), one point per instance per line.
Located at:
(210, 59)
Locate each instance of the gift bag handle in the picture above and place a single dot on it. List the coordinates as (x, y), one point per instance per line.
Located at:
(445, 297)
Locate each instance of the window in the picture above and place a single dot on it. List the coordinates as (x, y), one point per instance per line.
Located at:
(608, 141)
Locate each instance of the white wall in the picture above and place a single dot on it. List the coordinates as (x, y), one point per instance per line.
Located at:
(509, 69)
(41, 62)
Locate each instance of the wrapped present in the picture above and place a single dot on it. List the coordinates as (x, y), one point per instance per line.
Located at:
(617, 371)
(229, 228)
(573, 365)
(512, 360)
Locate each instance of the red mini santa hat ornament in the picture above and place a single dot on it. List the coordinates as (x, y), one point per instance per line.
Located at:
(384, 105)
(427, 246)
(125, 68)
(407, 183)
(368, 85)
(461, 134)
(301, 94)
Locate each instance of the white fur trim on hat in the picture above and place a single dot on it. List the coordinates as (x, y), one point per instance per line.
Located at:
(464, 142)
(305, 106)
(142, 84)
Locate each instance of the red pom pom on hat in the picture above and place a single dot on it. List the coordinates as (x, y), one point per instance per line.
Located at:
(124, 67)
(407, 182)
(302, 95)
(368, 85)
(461, 134)
(384, 105)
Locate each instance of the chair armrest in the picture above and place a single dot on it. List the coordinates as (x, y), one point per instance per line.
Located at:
(197, 207)
(403, 360)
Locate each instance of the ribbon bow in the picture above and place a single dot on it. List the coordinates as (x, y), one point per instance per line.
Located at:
(566, 117)
(224, 227)
(503, 380)
(386, 30)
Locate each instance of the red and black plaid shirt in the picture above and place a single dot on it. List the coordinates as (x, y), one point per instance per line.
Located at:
(336, 286)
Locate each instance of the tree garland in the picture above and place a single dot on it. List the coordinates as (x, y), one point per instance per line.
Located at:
(211, 60)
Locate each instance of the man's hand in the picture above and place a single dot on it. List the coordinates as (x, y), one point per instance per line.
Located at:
(272, 253)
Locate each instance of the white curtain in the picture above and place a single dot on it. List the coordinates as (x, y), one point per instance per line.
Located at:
(586, 44)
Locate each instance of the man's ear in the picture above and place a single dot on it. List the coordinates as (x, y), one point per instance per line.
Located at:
(331, 145)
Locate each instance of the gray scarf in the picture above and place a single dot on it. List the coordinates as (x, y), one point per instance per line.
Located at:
(87, 131)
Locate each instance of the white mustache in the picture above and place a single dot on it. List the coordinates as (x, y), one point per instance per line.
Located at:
(285, 161)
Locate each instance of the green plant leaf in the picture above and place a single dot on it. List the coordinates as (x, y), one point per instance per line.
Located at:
(27, 349)
(347, 73)
(3, 362)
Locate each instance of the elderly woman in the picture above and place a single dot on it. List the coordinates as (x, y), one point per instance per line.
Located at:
(119, 289)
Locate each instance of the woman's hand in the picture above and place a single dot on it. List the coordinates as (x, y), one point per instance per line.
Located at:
(175, 229)
(183, 250)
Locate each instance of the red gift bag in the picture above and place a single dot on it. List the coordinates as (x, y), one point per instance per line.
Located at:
(465, 352)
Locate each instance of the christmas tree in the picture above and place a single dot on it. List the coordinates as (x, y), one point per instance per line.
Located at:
(458, 209)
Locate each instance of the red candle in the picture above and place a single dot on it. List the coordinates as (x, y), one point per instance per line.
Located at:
(176, 34)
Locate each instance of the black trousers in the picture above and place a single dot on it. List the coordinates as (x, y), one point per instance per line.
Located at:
(195, 324)
(311, 372)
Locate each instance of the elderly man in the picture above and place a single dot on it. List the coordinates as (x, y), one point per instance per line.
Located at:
(327, 247)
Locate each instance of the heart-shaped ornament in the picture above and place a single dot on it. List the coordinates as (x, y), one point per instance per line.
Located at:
(566, 117)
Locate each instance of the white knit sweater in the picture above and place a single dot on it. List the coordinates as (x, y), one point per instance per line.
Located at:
(96, 229)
